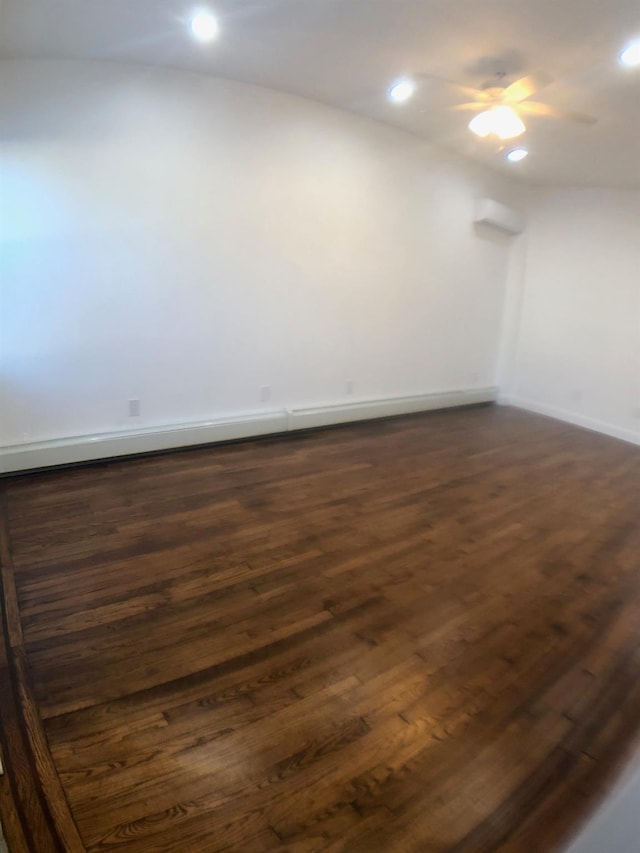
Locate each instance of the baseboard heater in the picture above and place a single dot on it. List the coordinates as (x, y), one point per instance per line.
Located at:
(319, 416)
(89, 448)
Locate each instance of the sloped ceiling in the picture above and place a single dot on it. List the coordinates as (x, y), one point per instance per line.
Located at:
(347, 53)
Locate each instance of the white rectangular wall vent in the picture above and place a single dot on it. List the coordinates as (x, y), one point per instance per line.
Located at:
(492, 213)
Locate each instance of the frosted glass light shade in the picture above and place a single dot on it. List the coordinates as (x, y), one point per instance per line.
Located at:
(502, 121)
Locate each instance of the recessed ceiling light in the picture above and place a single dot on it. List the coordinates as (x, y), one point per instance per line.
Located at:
(204, 26)
(516, 155)
(630, 56)
(402, 91)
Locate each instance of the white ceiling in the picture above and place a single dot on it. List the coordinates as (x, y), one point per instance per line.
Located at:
(348, 52)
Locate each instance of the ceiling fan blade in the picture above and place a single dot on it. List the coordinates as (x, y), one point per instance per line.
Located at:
(534, 109)
(467, 91)
(525, 87)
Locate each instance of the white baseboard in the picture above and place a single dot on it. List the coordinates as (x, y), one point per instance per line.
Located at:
(65, 451)
(87, 448)
(571, 418)
(319, 416)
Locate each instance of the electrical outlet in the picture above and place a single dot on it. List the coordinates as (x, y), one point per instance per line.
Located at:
(265, 393)
(134, 408)
(349, 386)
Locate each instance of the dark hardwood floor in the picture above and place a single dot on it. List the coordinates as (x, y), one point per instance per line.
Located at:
(413, 635)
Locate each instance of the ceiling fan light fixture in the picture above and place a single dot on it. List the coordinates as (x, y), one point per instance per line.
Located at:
(630, 56)
(501, 121)
(401, 91)
(482, 124)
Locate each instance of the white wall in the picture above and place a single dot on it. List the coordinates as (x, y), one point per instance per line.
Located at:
(184, 241)
(573, 346)
(615, 826)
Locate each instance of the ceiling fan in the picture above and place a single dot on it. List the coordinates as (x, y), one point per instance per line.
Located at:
(500, 107)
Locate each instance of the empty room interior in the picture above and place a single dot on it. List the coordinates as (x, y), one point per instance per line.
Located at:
(320, 426)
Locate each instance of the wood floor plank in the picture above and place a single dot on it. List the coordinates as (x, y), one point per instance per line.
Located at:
(412, 635)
